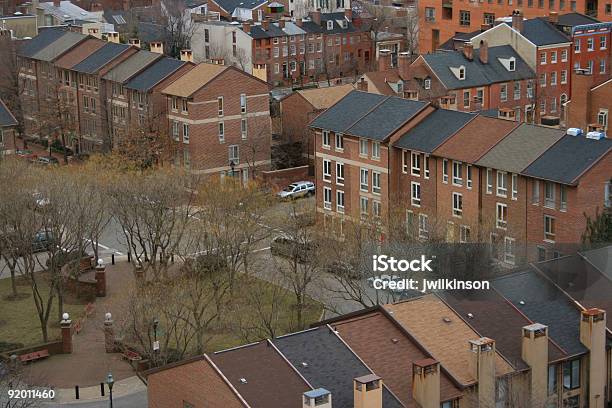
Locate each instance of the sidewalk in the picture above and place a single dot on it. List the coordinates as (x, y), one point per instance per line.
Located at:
(121, 388)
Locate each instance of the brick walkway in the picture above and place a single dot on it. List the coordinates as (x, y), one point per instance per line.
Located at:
(89, 364)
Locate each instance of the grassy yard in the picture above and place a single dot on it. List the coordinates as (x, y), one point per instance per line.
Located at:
(19, 321)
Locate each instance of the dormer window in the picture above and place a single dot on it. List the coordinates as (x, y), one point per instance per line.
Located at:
(330, 25)
(462, 73)
(459, 72)
(512, 64)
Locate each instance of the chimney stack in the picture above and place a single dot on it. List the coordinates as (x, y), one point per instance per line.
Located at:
(56, 3)
(579, 109)
(426, 383)
(319, 398)
(135, 42)
(517, 20)
(553, 17)
(403, 64)
(367, 391)
(384, 60)
(593, 336)
(281, 24)
(484, 27)
(534, 352)
(362, 85)
(187, 55)
(299, 22)
(481, 360)
(246, 27)
(157, 47)
(255, 15)
(265, 25)
(113, 37)
(468, 51)
(348, 14)
(315, 16)
(483, 52)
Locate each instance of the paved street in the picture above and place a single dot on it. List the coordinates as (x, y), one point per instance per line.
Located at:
(134, 400)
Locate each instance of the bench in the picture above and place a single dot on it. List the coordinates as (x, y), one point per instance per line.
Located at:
(131, 355)
(36, 355)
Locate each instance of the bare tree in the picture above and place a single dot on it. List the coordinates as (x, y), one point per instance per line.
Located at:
(13, 377)
(178, 26)
(12, 87)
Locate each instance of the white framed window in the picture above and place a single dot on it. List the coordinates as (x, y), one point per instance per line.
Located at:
(415, 196)
(464, 233)
(325, 139)
(549, 194)
(184, 106)
(426, 163)
(375, 150)
(562, 197)
(509, 248)
(457, 173)
(553, 78)
(376, 182)
(423, 226)
(535, 191)
(564, 76)
(549, 228)
(543, 58)
(339, 142)
(174, 100)
(553, 57)
(502, 183)
(564, 56)
(602, 118)
(468, 176)
(517, 90)
(363, 205)
(175, 130)
(577, 45)
(603, 42)
(405, 161)
(340, 201)
(363, 179)
(340, 173)
(608, 194)
(501, 218)
(427, 83)
(514, 186)
(415, 164)
(457, 204)
(503, 93)
(243, 103)
(445, 170)
(326, 170)
(590, 44)
(185, 133)
(234, 154)
(376, 208)
(243, 128)
(221, 132)
(220, 106)
(327, 198)
(363, 147)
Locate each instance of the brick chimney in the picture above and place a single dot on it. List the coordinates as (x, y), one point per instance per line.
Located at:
(367, 391)
(281, 24)
(384, 60)
(481, 360)
(517, 20)
(426, 383)
(187, 55)
(403, 64)
(534, 352)
(157, 47)
(66, 327)
(94, 32)
(362, 85)
(319, 398)
(348, 14)
(113, 37)
(246, 27)
(315, 16)
(553, 17)
(468, 51)
(56, 3)
(580, 108)
(593, 336)
(135, 42)
(265, 25)
(484, 27)
(483, 52)
(299, 22)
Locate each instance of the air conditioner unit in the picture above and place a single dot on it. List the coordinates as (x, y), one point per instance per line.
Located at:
(595, 135)
(574, 131)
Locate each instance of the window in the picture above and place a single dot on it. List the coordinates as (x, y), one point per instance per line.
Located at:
(243, 103)
(340, 201)
(553, 57)
(234, 154)
(363, 179)
(461, 73)
(184, 106)
(577, 45)
(468, 171)
(185, 133)
(427, 83)
(517, 90)
(457, 173)
(464, 233)
(489, 181)
(415, 194)
(512, 64)
(479, 98)
(415, 164)
(563, 198)
(590, 67)
(327, 198)
(375, 150)
(175, 130)
(590, 44)
(602, 66)
(608, 194)
(602, 42)
(243, 128)
(457, 204)
(602, 118)
(363, 147)
(220, 105)
(530, 89)
(339, 141)
(340, 173)
(489, 19)
(543, 79)
(376, 182)
(423, 226)
(174, 103)
(326, 170)
(549, 194)
(466, 99)
(509, 256)
(542, 58)
(571, 374)
(501, 218)
(426, 175)
(514, 186)
(502, 183)
(221, 132)
(564, 56)
(376, 208)
(535, 192)
(549, 228)
(325, 139)
(430, 14)
(503, 93)
(564, 76)
(464, 18)
(553, 78)
(445, 171)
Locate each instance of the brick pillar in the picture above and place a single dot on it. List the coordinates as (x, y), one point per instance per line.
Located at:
(109, 333)
(100, 279)
(139, 273)
(66, 325)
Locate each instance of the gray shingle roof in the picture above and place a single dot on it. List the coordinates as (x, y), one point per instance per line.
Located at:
(575, 19)
(44, 38)
(541, 32)
(477, 73)
(601, 258)
(131, 66)
(330, 364)
(347, 111)
(59, 46)
(566, 160)
(6, 117)
(154, 74)
(542, 302)
(101, 57)
(521, 147)
(433, 130)
(231, 5)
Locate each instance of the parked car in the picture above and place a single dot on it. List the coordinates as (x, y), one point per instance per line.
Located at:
(46, 160)
(43, 240)
(343, 269)
(298, 189)
(288, 247)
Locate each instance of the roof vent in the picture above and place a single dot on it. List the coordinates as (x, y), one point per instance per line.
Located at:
(446, 320)
(304, 364)
(522, 303)
(394, 340)
(574, 131)
(470, 315)
(243, 381)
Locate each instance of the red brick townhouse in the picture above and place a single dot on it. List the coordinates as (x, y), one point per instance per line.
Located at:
(219, 118)
(590, 107)
(592, 50)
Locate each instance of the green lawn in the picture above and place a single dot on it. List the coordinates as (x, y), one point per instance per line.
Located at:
(19, 321)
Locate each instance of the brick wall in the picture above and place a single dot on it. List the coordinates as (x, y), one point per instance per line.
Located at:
(296, 114)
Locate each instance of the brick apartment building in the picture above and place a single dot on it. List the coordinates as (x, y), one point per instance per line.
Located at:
(7, 129)
(589, 108)
(441, 350)
(322, 46)
(459, 176)
(219, 118)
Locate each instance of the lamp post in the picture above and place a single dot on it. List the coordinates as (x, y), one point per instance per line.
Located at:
(110, 381)
(233, 166)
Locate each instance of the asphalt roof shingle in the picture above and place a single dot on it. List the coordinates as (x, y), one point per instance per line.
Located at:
(154, 74)
(541, 32)
(347, 111)
(59, 46)
(329, 364)
(78, 54)
(44, 38)
(100, 57)
(521, 147)
(131, 66)
(195, 79)
(567, 159)
(434, 130)
(231, 5)
(575, 19)
(6, 117)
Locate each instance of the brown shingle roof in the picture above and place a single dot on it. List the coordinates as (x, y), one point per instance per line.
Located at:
(379, 79)
(389, 353)
(323, 98)
(475, 139)
(270, 380)
(195, 79)
(78, 54)
(444, 334)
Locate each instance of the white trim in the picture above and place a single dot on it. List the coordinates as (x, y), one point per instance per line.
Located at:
(217, 118)
(353, 162)
(224, 168)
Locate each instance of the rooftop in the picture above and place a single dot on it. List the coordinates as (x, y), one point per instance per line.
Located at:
(347, 111)
(601, 258)
(78, 54)
(380, 81)
(195, 79)
(132, 66)
(154, 74)
(100, 58)
(45, 37)
(576, 19)
(6, 117)
(230, 5)
(323, 98)
(540, 32)
(68, 11)
(568, 159)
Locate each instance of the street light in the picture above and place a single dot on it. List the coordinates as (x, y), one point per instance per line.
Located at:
(155, 325)
(110, 381)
